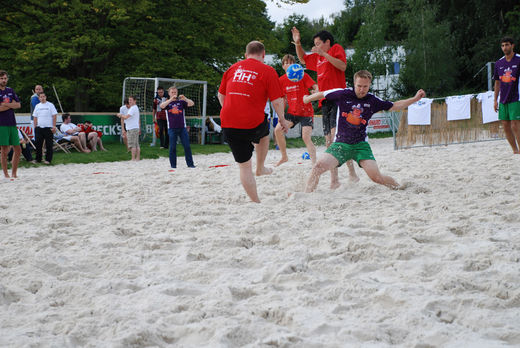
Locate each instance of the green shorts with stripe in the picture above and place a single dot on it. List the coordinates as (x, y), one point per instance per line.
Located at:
(9, 136)
(509, 111)
(344, 152)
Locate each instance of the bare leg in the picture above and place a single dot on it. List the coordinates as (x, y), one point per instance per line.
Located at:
(83, 140)
(5, 151)
(100, 142)
(248, 180)
(311, 149)
(92, 139)
(515, 129)
(325, 163)
(16, 159)
(282, 144)
(77, 142)
(372, 170)
(137, 153)
(509, 135)
(351, 171)
(261, 153)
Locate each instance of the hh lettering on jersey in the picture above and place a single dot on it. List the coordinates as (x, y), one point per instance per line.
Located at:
(245, 76)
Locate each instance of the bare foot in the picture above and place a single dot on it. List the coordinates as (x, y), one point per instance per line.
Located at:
(335, 185)
(86, 151)
(103, 149)
(282, 160)
(353, 178)
(264, 171)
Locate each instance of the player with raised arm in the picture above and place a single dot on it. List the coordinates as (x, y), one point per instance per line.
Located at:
(329, 60)
(298, 112)
(356, 107)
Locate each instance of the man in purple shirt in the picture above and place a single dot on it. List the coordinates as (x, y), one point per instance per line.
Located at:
(175, 108)
(8, 132)
(507, 80)
(356, 107)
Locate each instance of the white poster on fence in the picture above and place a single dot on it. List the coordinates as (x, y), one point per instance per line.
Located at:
(379, 122)
(488, 106)
(420, 112)
(459, 107)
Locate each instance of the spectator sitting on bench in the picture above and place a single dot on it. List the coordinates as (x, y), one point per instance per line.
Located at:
(93, 136)
(73, 134)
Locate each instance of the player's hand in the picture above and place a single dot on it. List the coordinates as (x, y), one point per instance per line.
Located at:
(296, 35)
(420, 94)
(53, 129)
(496, 106)
(306, 99)
(316, 49)
(182, 97)
(283, 123)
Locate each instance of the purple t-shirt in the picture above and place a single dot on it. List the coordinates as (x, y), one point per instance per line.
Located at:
(508, 73)
(354, 113)
(7, 117)
(175, 114)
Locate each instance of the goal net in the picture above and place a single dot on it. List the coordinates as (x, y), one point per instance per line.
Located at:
(144, 89)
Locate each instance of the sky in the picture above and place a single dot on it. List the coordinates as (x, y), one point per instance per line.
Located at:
(314, 9)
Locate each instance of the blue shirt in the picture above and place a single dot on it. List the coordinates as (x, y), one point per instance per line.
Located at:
(7, 117)
(354, 113)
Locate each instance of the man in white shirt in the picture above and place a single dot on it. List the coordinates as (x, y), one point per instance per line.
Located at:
(123, 110)
(132, 128)
(73, 134)
(45, 126)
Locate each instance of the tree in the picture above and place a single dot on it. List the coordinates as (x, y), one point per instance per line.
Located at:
(87, 48)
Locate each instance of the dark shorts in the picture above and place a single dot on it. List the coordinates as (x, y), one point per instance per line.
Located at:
(240, 140)
(329, 111)
(305, 121)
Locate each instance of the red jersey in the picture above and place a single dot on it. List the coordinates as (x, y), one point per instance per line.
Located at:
(247, 85)
(329, 77)
(294, 91)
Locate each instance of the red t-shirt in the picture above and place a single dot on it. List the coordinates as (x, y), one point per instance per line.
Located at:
(247, 85)
(329, 76)
(294, 91)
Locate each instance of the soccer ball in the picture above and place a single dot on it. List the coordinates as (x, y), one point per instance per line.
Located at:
(295, 72)
(306, 155)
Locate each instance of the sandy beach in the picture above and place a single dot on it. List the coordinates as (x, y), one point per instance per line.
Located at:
(135, 255)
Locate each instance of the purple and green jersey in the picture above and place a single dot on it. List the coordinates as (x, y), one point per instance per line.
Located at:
(7, 117)
(175, 114)
(354, 113)
(508, 73)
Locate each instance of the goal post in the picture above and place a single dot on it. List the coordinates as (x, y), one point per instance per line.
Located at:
(144, 89)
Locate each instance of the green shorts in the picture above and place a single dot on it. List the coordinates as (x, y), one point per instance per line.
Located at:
(344, 152)
(9, 136)
(509, 111)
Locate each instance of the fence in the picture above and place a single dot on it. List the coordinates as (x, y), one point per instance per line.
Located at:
(444, 132)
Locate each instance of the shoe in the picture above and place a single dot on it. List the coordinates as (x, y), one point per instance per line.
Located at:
(191, 166)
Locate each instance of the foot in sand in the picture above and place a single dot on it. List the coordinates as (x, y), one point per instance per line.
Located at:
(264, 171)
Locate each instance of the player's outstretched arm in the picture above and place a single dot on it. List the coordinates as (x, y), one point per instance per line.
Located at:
(403, 104)
(313, 97)
(300, 52)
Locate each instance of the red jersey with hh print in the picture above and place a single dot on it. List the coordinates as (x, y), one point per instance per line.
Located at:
(329, 77)
(247, 85)
(294, 92)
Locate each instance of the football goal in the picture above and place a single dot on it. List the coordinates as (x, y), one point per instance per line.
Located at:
(145, 88)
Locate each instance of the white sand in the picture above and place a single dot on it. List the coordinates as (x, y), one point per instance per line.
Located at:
(142, 257)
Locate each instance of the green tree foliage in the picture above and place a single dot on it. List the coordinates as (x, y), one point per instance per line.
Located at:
(87, 48)
(429, 62)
